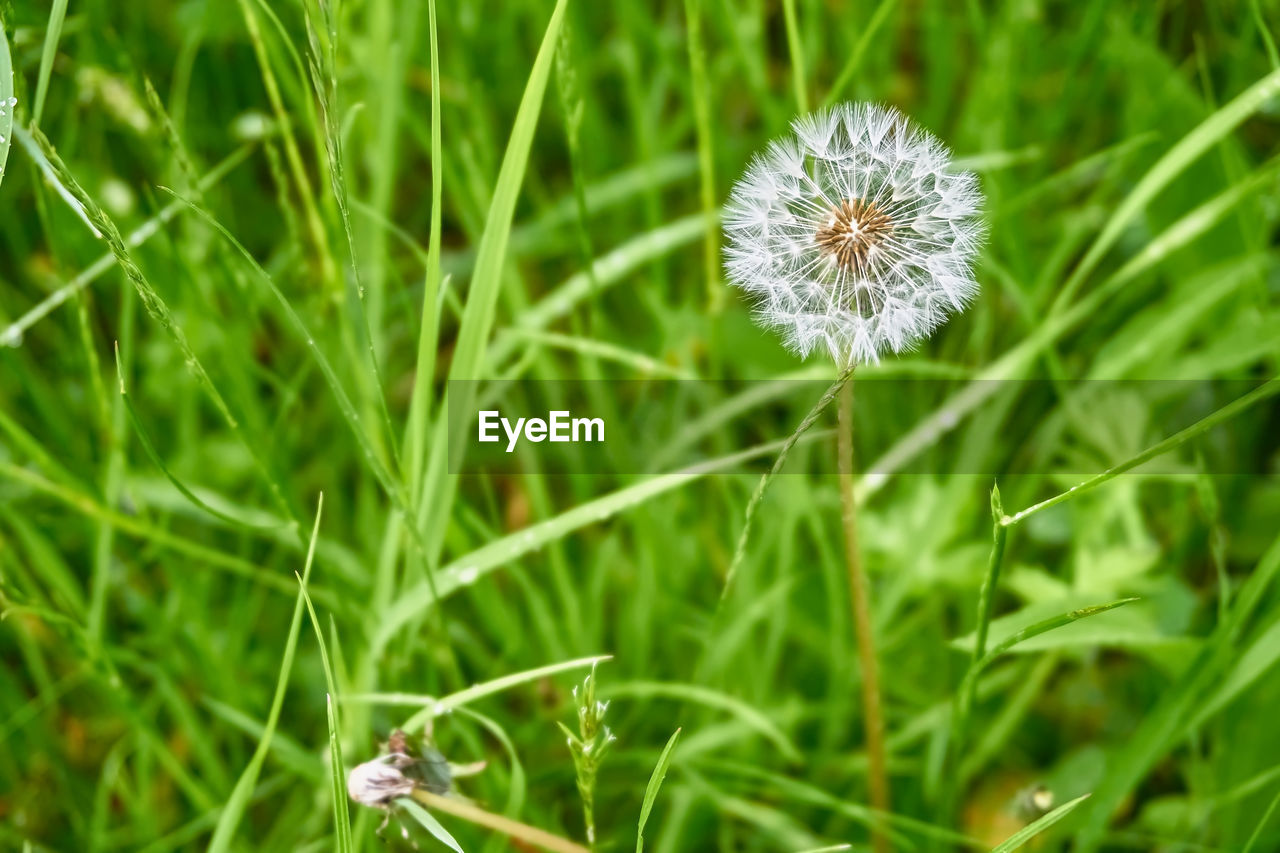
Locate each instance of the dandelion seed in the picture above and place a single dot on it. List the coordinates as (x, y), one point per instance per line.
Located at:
(378, 782)
(854, 234)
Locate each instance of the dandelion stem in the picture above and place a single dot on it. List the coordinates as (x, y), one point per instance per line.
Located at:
(498, 823)
(859, 591)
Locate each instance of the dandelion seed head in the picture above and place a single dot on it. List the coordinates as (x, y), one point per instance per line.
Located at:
(376, 783)
(854, 234)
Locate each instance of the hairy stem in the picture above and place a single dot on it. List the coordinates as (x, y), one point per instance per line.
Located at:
(873, 718)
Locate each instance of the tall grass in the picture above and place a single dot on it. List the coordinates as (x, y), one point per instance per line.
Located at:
(224, 298)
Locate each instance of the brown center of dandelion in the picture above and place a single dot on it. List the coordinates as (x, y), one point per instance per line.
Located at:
(852, 229)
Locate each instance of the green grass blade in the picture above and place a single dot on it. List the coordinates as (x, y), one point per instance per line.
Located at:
(6, 100)
(102, 226)
(156, 536)
(608, 269)
(229, 820)
(1188, 149)
(429, 823)
(372, 459)
(297, 169)
(324, 78)
(651, 790)
(486, 279)
(859, 52)
(13, 333)
(482, 295)
(145, 440)
(429, 327)
(1018, 839)
(1262, 823)
(435, 707)
(337, 782)
(1226, 413)
(337, 771)
(57, 14)
(696, 694)
(1167, 723)
(740, 550)
(701, 85)
(968, 687)
(592, 348)
(796, 47)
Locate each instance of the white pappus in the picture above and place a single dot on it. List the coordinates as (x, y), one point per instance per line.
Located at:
(854, 234)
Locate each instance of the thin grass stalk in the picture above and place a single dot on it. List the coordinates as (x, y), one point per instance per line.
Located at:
(529, 835)
(315, 226)
(706, 159)
(860, 600)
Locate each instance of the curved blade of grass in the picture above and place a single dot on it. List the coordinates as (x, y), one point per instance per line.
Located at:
(103, 226)
(468, 569)
(429, 823)
(1187, 150)
(740, 550)
(13, 333)
(380, 471)
(6, 93)
(134, 526)
(651, 790)
(802, 792)
(224, 832)
(697, 694)
(1018, 839)
(637, 361)
(486, 280)
(59, 177)
(57, 14)
(859, 52)
(1235, 407)
(969, 685)
(337, 771)
(435, 707)
(297, 169)
(145, 440)
(482, 295)
(607, 270)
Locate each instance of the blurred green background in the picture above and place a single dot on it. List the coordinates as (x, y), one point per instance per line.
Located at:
(1132, 205)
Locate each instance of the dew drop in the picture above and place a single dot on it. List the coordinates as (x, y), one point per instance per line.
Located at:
(467, 575)
(13, 102)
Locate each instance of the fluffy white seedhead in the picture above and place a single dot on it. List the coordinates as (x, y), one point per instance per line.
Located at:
(376, 783)
(854, 234)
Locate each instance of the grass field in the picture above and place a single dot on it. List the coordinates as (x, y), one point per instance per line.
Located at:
(246, 244)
